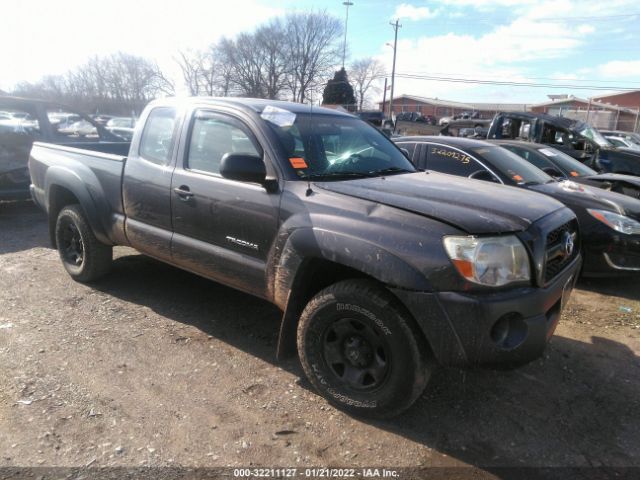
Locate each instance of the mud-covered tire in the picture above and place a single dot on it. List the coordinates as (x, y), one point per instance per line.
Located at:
(83, 256)
(361, 350)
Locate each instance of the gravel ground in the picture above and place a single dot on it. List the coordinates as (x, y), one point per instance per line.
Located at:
(154, 366)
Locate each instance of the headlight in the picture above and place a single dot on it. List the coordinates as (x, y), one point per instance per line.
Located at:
(618, 222)
(492, 261)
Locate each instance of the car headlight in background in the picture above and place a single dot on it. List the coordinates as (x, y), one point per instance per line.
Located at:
(492, 261)
(618, 222)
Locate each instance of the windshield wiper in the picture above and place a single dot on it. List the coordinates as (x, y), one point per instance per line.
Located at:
(390, 170)
(336, 175)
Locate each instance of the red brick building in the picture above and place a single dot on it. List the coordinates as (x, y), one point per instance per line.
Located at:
(622, 99)
(446, 108)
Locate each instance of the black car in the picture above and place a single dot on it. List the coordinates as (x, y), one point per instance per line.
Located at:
(562, 167)
(609, 222)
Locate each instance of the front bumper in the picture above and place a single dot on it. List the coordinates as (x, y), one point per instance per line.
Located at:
(612, 254)
(505, 329)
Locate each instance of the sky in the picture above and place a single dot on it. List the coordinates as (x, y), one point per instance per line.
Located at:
(570, 42)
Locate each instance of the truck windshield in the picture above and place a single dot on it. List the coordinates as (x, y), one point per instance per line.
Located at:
(511, 165)
(332, 147)
(593, 134)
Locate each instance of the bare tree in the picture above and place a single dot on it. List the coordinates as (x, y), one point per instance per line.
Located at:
(311, 50)
(271, 39)
(365, 74)
(190, 64)
(119, 83)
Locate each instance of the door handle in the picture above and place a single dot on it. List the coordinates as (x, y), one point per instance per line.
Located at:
(183, 192)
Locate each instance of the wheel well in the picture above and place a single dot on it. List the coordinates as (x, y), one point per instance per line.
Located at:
(59, 197)
(314, 275)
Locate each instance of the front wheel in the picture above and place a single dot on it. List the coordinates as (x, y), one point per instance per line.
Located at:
(83, 256)
(361, 350)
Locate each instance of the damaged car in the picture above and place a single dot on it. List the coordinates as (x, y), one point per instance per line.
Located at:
(25, 121)
(573, 137)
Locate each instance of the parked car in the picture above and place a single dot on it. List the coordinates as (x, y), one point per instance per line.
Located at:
(622, 142)
(33, 120)
(609, 222)
(475, 128)
(631, 136)
(573, 137)
(563, 167)
(380, 270)
(123, 127)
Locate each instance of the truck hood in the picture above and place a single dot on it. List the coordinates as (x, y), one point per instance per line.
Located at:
(577, 196)
(473, 206)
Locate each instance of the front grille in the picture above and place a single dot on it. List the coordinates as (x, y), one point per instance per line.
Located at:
(556, 258)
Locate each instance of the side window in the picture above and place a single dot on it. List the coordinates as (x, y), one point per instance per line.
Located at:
(156, 143)
(448, 160)
(212, 137)
(409, 147)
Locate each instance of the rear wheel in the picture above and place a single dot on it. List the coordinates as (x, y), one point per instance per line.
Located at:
(361, 350)
(83, 256)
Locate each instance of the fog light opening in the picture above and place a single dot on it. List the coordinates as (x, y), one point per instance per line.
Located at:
(509, 332)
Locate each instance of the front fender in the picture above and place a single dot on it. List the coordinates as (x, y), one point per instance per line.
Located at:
(345, 250)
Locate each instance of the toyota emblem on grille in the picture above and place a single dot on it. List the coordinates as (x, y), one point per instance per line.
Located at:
(567, 242)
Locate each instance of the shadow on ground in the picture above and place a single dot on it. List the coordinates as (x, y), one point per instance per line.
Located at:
(626, 287)
(577, 406)
(22, 226)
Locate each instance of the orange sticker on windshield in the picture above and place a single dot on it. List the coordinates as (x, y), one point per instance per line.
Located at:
(574, 174)
(518, 178)
(297, 162)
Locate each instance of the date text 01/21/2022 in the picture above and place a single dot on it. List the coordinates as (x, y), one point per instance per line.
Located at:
(314, 473)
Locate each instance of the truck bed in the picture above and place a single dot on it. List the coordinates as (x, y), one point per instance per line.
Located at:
(97, 165)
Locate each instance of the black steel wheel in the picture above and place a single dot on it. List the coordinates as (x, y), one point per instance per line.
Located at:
(357, 353)
(83, 256)
(362, 350)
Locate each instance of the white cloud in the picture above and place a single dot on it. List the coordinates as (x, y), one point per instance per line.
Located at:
(620, 69)
(410, 12)
(586, 29)
(539, 31)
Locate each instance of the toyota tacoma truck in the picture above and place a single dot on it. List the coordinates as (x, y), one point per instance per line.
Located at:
(382, 271)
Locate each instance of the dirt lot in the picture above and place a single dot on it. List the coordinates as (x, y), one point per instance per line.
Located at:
(154, 366)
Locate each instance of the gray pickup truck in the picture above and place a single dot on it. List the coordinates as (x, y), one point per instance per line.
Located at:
(381, 270)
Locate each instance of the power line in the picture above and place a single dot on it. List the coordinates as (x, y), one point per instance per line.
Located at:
(510, 83)
(450, 74)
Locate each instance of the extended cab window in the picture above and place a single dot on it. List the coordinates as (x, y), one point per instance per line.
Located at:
(156, 143)
(449, 160)
(212, 137)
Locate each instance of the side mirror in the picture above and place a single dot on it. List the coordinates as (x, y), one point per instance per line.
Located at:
(483, 175)
(243, 168)
(406, 153)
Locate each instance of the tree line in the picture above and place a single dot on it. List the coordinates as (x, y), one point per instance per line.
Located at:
(292, 57)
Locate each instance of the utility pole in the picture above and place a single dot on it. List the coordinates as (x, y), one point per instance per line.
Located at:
(346, 24)
(395, 26)
(384, 97)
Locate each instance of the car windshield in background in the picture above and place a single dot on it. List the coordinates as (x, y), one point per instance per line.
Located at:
(511, 165)
(567, 163)
(332, 147)
(593, 134)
